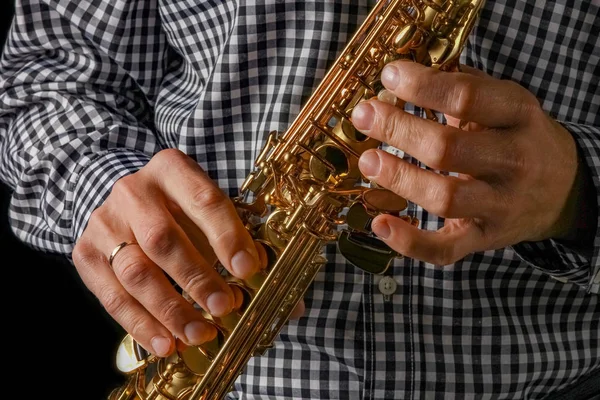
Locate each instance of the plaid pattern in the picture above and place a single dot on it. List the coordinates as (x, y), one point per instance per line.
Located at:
(91, 89)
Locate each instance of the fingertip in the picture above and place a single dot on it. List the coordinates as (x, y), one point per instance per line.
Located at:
(198, 332)
(381, 227)
(398, 233)
(162, 346)
(369, 163)
(363, 116)
(245, 262)
(298, 310)
(220, 303)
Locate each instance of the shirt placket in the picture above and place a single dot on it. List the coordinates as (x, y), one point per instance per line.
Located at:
(389, 341)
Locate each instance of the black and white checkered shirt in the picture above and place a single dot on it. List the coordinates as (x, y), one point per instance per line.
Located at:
(91, 89)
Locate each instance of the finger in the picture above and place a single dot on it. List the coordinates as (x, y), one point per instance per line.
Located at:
(467, 125)
(194, 234)
(298, 310)
(442, 247)
(167, 245)
(466, 96)
(146, 282)
(93, 268)
(239, 296)
(207, 206)
(445, 196)
(262, 255)
(200, 241)
(440, 147)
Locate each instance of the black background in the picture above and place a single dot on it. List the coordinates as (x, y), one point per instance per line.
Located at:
(60, 343)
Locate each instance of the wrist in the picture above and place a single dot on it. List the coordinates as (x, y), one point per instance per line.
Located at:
(577, 223)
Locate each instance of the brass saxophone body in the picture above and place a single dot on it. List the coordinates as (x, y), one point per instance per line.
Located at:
(307, 191)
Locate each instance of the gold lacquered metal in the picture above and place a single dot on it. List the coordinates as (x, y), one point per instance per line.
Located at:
(306, 186)
(117, 249)
(129, 358)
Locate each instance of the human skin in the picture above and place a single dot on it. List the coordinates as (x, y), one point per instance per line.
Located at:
(518, 176)
(518, 181)
(182, 224)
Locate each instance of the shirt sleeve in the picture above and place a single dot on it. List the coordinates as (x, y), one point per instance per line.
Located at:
(78, 81)
(566, 264)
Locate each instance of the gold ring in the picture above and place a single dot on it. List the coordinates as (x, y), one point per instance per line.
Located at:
(116, 250)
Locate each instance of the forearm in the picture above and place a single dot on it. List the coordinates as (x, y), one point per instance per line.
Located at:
(71, 97)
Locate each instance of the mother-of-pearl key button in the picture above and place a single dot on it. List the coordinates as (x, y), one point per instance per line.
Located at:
(387, 287)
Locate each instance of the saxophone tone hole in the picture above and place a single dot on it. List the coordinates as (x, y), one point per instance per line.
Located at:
(197, 359)
(337, 163)
(351, 132)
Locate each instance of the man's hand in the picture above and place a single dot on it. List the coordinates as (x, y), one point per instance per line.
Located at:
(182, 224)
(517, 168)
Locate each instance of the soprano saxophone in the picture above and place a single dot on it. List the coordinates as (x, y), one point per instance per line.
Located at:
(306, 191)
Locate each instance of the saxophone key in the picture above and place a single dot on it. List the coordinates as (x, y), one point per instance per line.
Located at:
(130, 356)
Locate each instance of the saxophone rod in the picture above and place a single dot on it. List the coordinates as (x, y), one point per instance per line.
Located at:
(273, 291)
(321, 100)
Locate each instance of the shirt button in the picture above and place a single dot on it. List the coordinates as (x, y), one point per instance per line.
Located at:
(387, 286)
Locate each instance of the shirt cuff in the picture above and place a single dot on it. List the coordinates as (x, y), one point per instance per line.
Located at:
(96, 180)
(562, 262)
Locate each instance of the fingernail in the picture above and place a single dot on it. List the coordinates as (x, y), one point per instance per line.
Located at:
(382, 229)
(363, 116)
(161, 345)
(219, 304)
(243, 264)
(196, 332)
(390, 77)
(369, 163)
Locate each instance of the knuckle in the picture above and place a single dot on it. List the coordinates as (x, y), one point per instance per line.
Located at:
(412, 84)
(114, 302)
(98, 216)
(84, 255)
(124, 187)
(160, 238)
(441, 150)
(169, 311)
(133, 272)
(194, 282)
(391, 126)
(529, 105)
(166, 157)
(102, 221)
(445, 199)
(465, 98)
(126, 191)
(398, 179)
(206, 198)
(139, 326)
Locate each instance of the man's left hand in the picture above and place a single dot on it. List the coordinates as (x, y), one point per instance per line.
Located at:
(517, 168)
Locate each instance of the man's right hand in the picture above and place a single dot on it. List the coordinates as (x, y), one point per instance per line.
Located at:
(181, 223)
